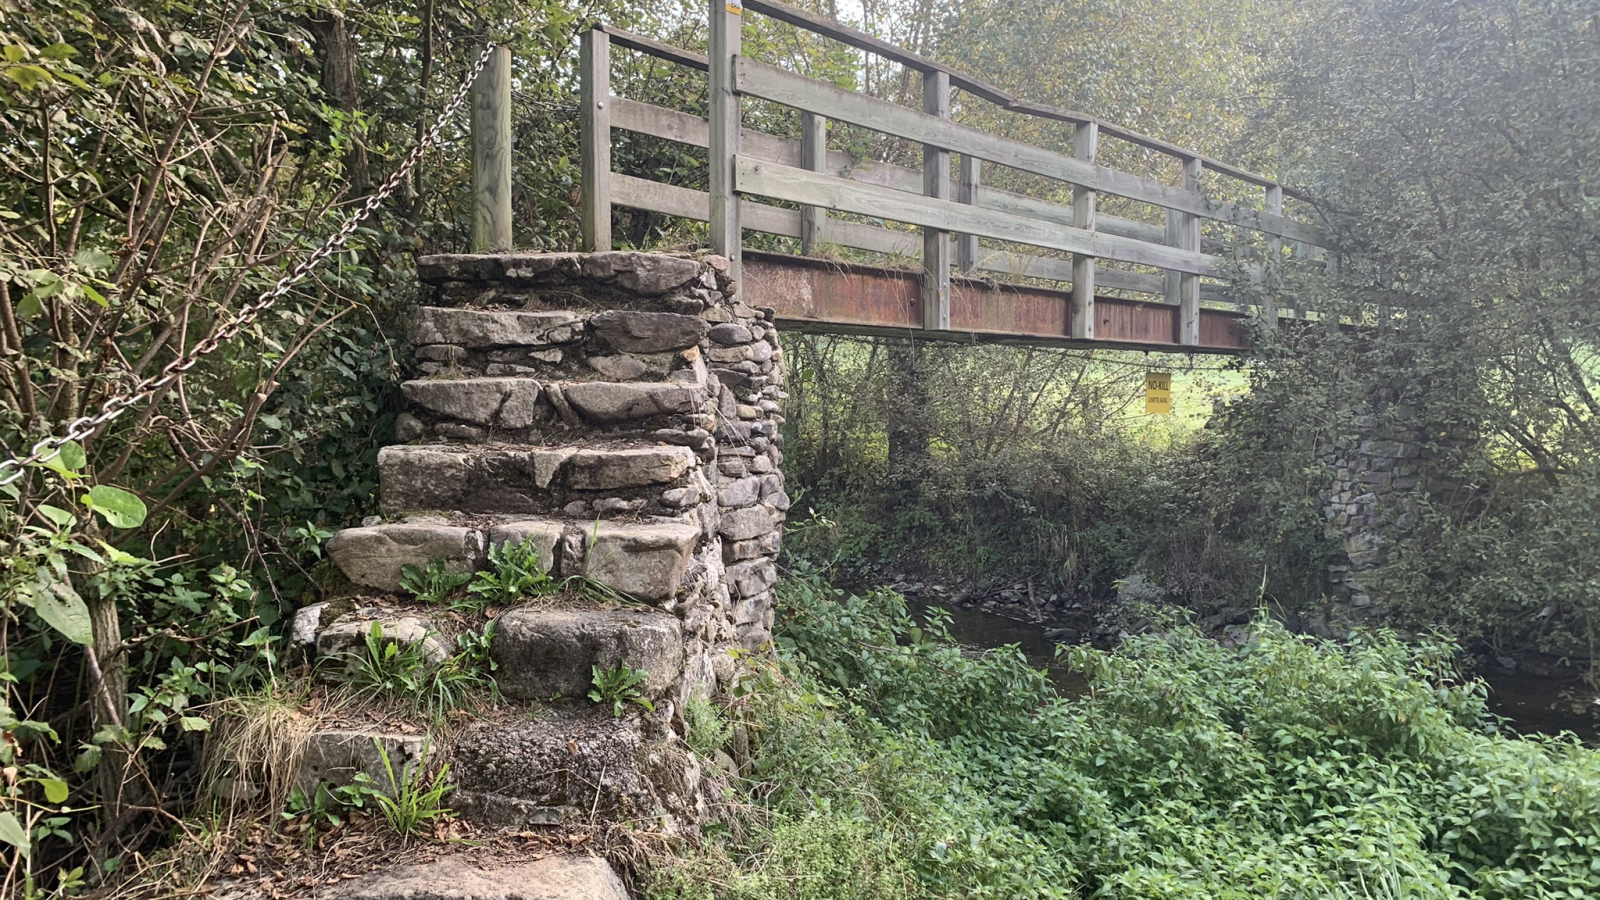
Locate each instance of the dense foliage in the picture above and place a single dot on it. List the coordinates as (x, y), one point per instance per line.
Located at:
(165, 163)
(891, 763)
(1446, 142)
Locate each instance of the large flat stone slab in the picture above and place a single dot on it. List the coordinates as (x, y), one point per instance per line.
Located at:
(618, 403)
(574, 762)
(509, 403)
(470, 479)
(548, 653)
(453, 878)
(513, 479)
(647, 332)
(334, 757)
(479, 329)
(373, 556)
(605, 469)
(645, 561)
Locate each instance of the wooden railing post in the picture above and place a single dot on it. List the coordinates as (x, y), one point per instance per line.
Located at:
(1189, 284)
(1085, 144)
(727, 17)
(967, 192)
(1269, 310)
(936, 184)
(813, 156)
(594, 93)
(491, 155)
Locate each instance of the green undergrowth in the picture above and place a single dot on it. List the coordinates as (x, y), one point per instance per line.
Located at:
(888, 763)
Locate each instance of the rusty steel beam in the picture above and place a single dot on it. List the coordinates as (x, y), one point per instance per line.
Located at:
(837, 298)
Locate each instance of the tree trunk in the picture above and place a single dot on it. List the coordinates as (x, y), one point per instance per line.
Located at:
(907, 419)
(338, 57)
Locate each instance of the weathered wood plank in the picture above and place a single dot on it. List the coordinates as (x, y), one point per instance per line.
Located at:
(935, 186)
(1188, 284)
(800, 92)
(1085, 144)
(972, 86)
(491, 155)
(686, 128)
(814, 153)
(726, 18)
(1269, 310)
(863, 41)
(624, 38)
(799, 186)
(688, 203)
(967, 192)
(594, 138)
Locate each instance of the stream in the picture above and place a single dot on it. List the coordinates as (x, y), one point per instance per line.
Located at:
(1532, 704)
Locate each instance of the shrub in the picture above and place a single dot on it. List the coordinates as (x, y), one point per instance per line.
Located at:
(1286, 767)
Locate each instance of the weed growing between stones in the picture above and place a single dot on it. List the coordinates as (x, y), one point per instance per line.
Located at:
(389, 671)
(888, 762)
(514, 574)
(412, 801)
(618, 687)
(706, 731)
(433, 583)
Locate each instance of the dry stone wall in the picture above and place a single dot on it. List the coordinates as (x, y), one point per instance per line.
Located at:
(1379, 465)
(620, 413)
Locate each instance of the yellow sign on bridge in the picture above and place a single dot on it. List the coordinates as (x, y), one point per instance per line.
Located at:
(1158, 393)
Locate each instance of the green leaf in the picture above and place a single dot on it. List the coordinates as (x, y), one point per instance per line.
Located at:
(59, 606)
(29, 306)
(55, 790)
(29, 77)
(69, 460)
(120, 508)
(58, 50)
(194, 723)
(12, 832)
(46, 284)
(60, 517)
(92, 259)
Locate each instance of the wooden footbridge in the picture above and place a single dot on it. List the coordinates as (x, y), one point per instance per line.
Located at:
(992, 264)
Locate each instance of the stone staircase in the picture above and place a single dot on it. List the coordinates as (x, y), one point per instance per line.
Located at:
(620, 412)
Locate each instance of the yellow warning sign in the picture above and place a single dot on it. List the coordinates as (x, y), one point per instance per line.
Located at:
(735, 7)
(1158, 393)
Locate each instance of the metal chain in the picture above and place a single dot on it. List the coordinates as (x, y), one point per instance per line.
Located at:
(83, 427)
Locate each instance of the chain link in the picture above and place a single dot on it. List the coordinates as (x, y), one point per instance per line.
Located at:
(78, 429)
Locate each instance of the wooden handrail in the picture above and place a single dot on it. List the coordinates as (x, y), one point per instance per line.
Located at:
(657, 49)
(750, 168)
(800, 92)
(979, 88)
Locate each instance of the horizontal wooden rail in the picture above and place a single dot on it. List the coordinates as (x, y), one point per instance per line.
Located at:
(975, 87)
(687, 128)
(688, 203)
(800, 92)
(979, 88)
(756, 176)
(657, 49)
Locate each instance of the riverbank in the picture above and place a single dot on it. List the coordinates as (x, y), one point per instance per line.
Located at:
(1535, 700)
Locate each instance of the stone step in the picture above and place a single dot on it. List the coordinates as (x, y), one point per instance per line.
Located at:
(573, 762)
(551, 878)
(546, 654)
(645, 560)
(524, 410)
(613, 343)
(621, 478)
